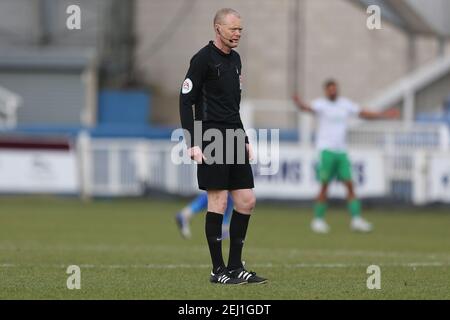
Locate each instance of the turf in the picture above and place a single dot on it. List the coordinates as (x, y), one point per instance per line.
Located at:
(131, 249)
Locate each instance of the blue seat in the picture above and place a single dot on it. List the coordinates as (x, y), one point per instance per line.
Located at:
(123, 107)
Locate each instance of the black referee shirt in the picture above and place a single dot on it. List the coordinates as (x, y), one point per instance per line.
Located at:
(213, 85)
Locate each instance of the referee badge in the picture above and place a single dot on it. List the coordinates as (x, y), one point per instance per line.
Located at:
(187, 86)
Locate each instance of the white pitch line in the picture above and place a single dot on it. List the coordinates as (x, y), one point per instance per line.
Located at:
(196, 248)
(260, 265)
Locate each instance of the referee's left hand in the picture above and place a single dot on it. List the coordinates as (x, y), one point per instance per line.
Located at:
(249, 151)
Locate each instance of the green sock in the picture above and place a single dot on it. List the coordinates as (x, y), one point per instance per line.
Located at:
(319, 209)
(354, 206)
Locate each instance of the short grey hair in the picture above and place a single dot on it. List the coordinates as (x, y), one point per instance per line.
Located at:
(222, 13)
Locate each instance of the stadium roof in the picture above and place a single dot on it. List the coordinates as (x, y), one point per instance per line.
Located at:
(416, 16)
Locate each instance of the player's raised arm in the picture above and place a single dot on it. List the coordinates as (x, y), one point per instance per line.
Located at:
(301, 104)
(391, 113)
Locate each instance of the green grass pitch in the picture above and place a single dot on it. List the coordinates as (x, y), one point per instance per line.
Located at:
(131, 249)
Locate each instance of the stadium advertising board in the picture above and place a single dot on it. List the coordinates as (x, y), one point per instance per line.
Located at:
(36, 167)
(297, 176)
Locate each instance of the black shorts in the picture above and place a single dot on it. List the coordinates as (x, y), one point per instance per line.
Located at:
(223, 174)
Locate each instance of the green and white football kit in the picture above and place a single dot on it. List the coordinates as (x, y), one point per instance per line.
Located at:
(333, 118)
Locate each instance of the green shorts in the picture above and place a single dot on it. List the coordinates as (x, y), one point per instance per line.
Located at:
(334, 164)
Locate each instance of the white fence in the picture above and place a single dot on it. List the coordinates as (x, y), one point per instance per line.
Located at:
(113, 167)
(407, 149)
(9, 102)
(413, 159)
(128, 167)
(132, 167)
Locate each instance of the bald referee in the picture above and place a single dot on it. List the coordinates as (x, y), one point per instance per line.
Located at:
(211, 95)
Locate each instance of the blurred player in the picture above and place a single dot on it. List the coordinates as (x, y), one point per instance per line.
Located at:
(184, 216)
(333, 113)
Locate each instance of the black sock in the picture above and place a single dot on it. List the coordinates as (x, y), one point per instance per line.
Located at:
(238, 230)
(213, 231)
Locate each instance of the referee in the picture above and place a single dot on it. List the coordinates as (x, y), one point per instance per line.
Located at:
(213, 85)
